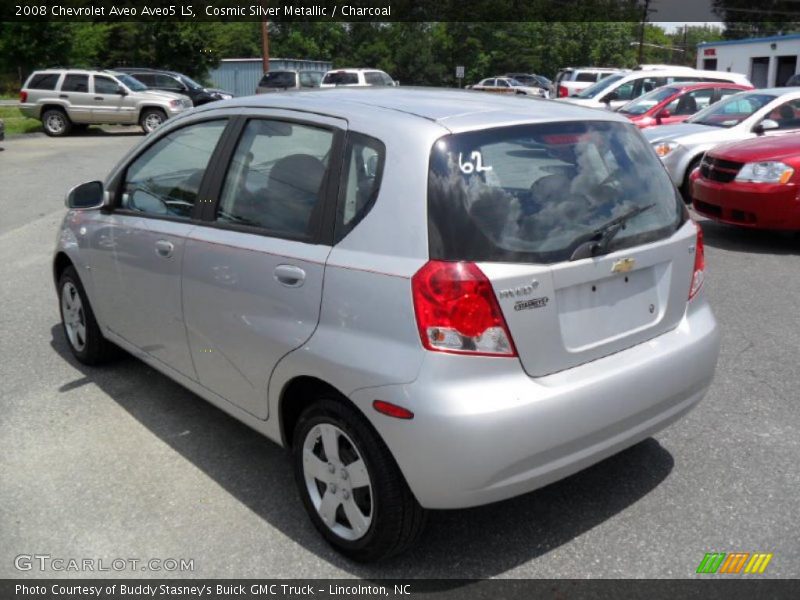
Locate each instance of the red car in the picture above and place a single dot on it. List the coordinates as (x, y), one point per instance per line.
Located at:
(677, 102)
(755, 183)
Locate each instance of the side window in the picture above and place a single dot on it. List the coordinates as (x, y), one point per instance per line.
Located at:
(586, 77)
(787, 115)
(502, 83)
(386, 79)
(276, 177)
(146, 78)
(75, 83)
(363, 170)
(165, 180)
(167, 82)
(44, 81)
(625, 91)
(690, 102)
(373, 78)
(105, 85)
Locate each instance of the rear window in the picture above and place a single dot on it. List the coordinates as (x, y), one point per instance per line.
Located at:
(43, 81)
(340, 78)
(531, 193)
(278, 79)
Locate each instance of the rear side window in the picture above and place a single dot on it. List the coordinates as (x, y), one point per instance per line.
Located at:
(363, 170)
(165, 180)
(584, 76)
(531, 193)
(276, 177)
(43, 81)
(340, 78)
(75, 83)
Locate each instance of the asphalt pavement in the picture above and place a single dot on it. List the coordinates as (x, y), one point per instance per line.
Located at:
(120, 462)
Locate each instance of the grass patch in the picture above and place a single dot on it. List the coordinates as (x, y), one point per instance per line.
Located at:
(16, 122)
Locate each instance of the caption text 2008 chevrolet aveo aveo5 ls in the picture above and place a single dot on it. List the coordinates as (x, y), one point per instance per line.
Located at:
(435, 299)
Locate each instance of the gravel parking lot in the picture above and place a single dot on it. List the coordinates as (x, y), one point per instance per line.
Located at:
(120, 462)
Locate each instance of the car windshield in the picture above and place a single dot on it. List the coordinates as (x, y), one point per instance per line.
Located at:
(593, 90)
(732, 111)
(340, 78)
(644, 103)
(515, 83)
(531, 193)
(190, 83)
(543, 81)
(131, 83)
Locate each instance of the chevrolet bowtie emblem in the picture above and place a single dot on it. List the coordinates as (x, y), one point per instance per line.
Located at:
(623, 265)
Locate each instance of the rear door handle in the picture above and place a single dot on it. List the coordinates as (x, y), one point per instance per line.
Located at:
(164, 248)
(63, 96)
(99, 98)
(290, 276)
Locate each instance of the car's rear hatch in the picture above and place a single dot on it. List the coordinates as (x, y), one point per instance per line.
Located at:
(564, 315)
(526, 202)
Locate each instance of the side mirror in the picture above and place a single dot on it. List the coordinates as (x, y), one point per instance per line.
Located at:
(86, 195)
(765, 125)
(664, 114)
(121, 91)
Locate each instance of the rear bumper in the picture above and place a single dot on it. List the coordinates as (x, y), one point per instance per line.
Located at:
(754, 205)
(484, 431)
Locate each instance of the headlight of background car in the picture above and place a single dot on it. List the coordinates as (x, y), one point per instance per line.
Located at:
(664, 148)
(765, 172)
(176, 103)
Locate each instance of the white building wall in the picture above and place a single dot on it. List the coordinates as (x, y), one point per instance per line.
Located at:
(738, 58)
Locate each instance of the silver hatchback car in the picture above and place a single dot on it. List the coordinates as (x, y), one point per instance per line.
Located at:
(435, 299)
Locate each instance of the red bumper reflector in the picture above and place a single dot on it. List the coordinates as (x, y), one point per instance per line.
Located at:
(392, 410)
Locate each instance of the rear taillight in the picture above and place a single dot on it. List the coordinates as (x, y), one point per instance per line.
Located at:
(562, 92)
(458, 312)
(699, 264)
(23, 96)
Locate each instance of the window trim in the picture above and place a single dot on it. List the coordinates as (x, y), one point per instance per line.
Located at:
(324, 229)
(116, 185)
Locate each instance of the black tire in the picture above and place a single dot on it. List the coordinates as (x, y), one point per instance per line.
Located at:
(91, 348)
(56, 123)
(151, 119)
(686, 192)
(397, 519)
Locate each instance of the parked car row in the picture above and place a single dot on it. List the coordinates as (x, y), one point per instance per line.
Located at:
(546, 288)
(277, 81)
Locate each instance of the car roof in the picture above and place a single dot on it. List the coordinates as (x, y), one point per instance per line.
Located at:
(455, 110)
(348, 70)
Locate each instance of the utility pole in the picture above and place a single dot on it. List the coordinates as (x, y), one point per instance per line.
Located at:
(686, 44)
(265, 42)
(645, 12)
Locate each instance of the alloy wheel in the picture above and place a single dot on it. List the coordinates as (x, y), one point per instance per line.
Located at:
(74, 317)
(337, 481)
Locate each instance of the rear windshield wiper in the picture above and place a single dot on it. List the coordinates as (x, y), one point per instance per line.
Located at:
(598, 240)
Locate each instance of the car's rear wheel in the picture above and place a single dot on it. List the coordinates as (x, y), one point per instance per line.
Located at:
(55, 122)
(151, 119)
(83, 334)
(350, 485)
